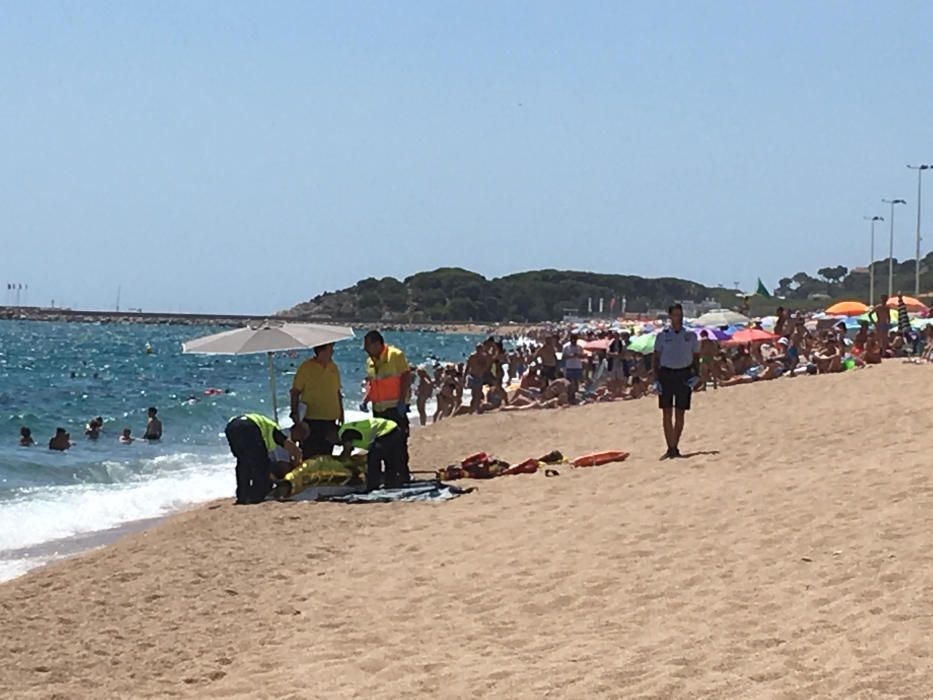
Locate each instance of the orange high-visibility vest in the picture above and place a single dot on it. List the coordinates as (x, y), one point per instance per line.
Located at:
(384, 378)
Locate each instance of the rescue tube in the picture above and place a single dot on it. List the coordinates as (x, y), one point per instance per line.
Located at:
(597, 458)
(529, 466)
(475, 459)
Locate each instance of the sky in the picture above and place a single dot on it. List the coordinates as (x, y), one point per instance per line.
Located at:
(244, 157)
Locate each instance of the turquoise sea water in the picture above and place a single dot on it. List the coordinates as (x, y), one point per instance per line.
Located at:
(55, 374)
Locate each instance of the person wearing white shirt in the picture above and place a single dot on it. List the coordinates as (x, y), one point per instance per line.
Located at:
(572, 356)
(676, 367)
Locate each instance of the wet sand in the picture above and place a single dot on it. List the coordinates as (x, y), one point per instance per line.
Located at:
(790, 557)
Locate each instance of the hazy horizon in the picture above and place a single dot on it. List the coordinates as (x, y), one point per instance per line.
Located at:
(237, 158)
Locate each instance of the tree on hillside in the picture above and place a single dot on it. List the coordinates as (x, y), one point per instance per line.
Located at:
(784, 286)
(801, 278)
(833, 275)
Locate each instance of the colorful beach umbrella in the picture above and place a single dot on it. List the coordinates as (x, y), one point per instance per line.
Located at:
(643, 344)
(913, 304)
(594, 345)
(714, 333)
(721, 317)
(847, 308)
(750, 335)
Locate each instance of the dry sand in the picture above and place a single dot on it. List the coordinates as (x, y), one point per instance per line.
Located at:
(796, 563)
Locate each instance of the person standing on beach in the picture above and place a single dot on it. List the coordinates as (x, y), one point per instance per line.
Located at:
(317, 386)
(880, 315)
(477, 366)
(547, 353)
(425, 391)
(388, 380)
(676, 366)
(572, 355)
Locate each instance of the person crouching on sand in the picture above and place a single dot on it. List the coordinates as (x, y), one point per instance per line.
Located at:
(384, 445)
(253, 439)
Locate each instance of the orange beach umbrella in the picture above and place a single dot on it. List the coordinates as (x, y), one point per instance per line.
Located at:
(914, 305)
(847, 308)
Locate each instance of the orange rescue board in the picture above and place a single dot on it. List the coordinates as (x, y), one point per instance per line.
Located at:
(597, 458)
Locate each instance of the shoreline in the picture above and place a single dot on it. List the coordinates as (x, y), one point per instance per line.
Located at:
(63, 548)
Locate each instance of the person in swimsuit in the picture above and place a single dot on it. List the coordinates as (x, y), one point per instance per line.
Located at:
(477, 366)
(25, 437)
(708, 351)
(880, 315)
(547, 353)
(425, 390)
(153, 426)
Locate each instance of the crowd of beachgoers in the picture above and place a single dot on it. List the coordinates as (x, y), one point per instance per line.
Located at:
(566, 364)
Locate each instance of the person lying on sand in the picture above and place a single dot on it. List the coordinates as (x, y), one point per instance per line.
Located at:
(556, 394)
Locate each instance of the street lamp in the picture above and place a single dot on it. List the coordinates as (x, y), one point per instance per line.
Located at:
(892, 202)
(871, 260)
(919, 169)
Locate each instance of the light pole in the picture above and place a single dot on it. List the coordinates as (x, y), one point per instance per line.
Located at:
(919, 169)
(892, 202)
(871, 260)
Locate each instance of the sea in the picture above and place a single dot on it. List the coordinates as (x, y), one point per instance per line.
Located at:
(64, 374)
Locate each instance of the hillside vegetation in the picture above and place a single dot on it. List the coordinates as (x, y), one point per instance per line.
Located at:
(452, 294)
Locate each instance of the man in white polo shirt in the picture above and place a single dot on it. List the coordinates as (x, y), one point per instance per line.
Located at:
(676, 367)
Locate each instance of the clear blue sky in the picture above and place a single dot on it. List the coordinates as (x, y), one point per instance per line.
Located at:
(225, 156)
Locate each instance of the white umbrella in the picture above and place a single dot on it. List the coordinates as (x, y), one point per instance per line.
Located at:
(721, 317)
(270, 337)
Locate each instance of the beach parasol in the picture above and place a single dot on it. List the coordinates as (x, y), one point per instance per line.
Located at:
(750, 335)
(714, 333)
(847, 308)
(721, 317)
(593, 345)
(268, 338)
(643, 343)
(913, 304)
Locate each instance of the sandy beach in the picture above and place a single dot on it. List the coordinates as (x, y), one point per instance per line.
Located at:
(790, 558)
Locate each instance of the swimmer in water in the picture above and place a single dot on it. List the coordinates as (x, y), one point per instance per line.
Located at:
(153, 426)
(61, 441)
(92, 432)
(25, 437)
(127, 437)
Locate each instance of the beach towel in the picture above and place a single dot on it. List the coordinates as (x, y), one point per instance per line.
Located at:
(416, 492)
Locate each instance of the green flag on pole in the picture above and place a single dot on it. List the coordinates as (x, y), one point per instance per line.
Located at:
(762, 291)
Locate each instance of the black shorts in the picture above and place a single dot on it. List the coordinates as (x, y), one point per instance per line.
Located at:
(549, 372)
(322, 436)
(675, 393)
